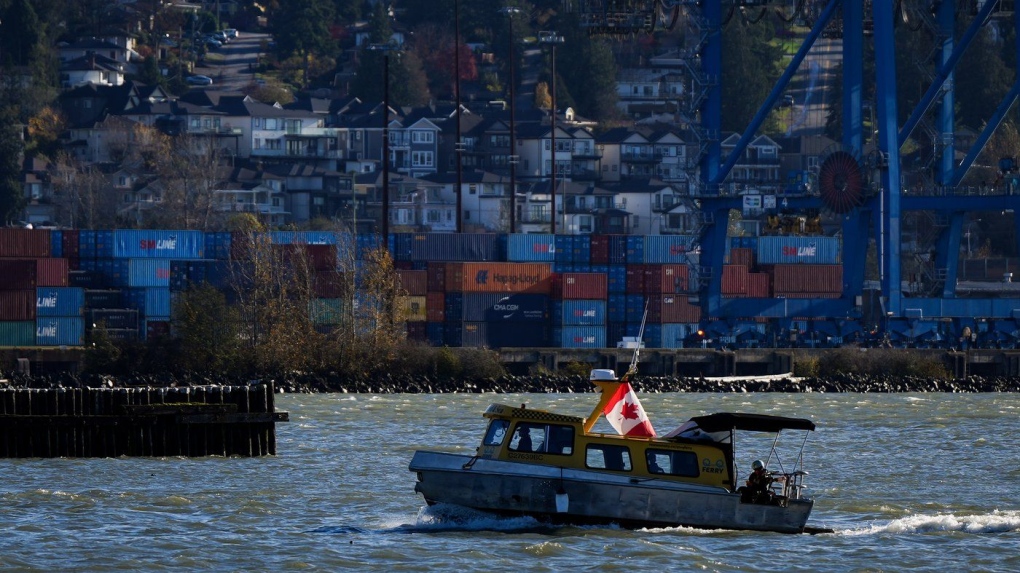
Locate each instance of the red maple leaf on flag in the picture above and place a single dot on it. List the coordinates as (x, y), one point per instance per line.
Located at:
(629, 411)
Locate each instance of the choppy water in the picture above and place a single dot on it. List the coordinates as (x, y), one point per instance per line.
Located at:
(908, 481)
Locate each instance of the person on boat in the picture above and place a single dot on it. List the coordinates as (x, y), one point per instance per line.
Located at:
(759, 484)
(523, 440)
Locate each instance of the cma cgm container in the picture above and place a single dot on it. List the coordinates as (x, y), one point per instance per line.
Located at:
(32, 243)
(59, 331)
(784, 250)
(583, 337)
(137, 244)
(496, 307)
(584, 286)
(499, 277)
(59, 301)
(665, 249)
(531, 248)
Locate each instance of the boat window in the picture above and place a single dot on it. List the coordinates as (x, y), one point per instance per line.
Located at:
(561, 440)
(672, 463)
(528, 437)
(496, 432)
(608, 457)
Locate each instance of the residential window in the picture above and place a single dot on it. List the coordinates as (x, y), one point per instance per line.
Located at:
(421, 159)
(419, 136)
(472, 189)
(271, 124)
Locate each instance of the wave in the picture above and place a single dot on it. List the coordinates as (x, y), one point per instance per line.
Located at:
(994, 522)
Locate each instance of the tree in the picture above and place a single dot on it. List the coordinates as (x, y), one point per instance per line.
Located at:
(82, 194)
(407, 82)
(208, 330)
(302, 28)
(44, 129)
(752, 68)
(12, 197)
(588, 70)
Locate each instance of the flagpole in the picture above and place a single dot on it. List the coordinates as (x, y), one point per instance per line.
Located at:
(637, 349)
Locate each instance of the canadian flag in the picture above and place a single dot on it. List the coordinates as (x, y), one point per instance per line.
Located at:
(625, 414)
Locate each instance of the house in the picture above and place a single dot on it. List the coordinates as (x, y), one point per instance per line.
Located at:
(91, 69)
(756, 170)
(485, 201)
(38, 192)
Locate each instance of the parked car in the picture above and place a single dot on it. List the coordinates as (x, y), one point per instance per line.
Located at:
(211, 43)
(199, 80)
(231, 32)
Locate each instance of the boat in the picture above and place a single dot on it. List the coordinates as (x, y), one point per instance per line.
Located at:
(555, 468)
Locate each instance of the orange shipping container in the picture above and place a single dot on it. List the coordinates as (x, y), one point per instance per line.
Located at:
(666, 279)
(499, 277)
(414, 282)
(435, 307)
(734, 280)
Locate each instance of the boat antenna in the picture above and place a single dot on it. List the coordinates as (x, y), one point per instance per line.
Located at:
(632, 370)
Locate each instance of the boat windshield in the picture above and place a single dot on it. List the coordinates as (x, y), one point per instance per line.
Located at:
(496, 432)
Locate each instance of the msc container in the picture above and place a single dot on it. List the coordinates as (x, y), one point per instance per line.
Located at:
(584, 286)
(103, 298)
(17, 242)
(578, 312)
(114, 318)
(496, 307)
(414, 282)
(532, 248)
(59, 301)
(458, 247)
(217, 245)
(16, 305)
(59, 331)
(19, 333)
(617, 279)
(483, 334)
(51, 272)
(583, 337)
(787, 279)
(498, 277)
(599, 249)
(665, 249)
(784, 250)
(734, 280)
(17, 274)
(137, 244)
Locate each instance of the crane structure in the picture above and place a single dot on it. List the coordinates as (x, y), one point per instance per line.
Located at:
(859, 188)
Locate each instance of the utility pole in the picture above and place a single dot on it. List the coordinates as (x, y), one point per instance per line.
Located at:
(551, 38)
(510, 11)
(459, 147)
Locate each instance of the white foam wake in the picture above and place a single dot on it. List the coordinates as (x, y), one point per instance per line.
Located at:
(994, 522)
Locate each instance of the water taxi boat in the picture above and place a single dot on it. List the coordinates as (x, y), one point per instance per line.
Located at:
(555, 467)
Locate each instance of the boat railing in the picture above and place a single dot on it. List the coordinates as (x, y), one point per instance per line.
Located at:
(793, 485)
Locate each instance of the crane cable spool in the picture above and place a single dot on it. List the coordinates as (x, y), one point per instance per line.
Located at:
(841, 183)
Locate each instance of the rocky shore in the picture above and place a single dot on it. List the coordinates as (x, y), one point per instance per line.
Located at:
(423, 384)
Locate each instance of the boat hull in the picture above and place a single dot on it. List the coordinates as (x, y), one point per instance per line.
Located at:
(517, 488)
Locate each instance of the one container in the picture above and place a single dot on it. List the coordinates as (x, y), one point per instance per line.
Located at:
(136, 244)
(531, 248)
(17, 305)
(583, 337)
(17, 333)
(59, 331)
(579, 312)
(149, 301)
(59, 301)
(498, 277)
(584, 286)
(667, 249)
(785, 250)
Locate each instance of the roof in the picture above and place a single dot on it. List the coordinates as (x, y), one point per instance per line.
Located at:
(750, 422)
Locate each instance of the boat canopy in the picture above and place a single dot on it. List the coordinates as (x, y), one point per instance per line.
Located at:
(750, 422)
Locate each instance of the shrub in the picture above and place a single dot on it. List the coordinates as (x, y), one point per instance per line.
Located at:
(446, 363)
(576, 369)
(480, 363)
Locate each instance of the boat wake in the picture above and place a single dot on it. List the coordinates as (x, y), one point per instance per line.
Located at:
(994, 522)
(446, 517)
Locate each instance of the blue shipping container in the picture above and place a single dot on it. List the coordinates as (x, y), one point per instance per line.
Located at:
(617, 278)
(564, 248)
(618, 249)
(458, 247)
(302, 238)
(150, 302)
(136, 272)
(57, 244)
(666, 249)
(484, 334)
(784, 250)
(138, 244)
(217, 245)
(578, 312)
(674, 334)
(531, 248)
(59, 301)
(616, 309)
(583, 337)
(582, 249)
(635, 307)
(59, 331)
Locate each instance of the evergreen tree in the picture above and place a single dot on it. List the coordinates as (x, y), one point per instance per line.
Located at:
(588, 70)
(301, 29)
(752, 68)
(12, 198)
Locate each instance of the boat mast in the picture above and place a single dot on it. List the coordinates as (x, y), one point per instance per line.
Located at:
(608, 387)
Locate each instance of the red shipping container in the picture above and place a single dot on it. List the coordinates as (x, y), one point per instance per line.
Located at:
(600, 249)
(590, 286)
(807, 279)
(635, 279)
(436, 277)
(17, 305)
(70, 244)
(51, 272)
(676, 308)
(742, 256)
(17, 274)
(758, 285)
(15, 242)
(403, 265)
(734, 280)
(666, 279)
(323, 257)
(499, 277)
(332, 284)
(808, 295)
(414, 282)
(435, 306)
(417, 331)
(157, 329)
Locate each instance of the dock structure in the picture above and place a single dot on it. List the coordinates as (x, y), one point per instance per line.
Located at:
(111, 422)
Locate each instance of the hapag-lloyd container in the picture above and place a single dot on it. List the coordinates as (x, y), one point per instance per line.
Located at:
(784, 250)
(584, 286)
(499, 277)
(59, 331)
(531, 248)
(137, 244)
(59, 301)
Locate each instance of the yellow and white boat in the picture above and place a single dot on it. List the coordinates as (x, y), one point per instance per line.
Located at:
(554, 467)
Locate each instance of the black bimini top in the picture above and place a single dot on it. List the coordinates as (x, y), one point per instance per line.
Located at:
(750, 422)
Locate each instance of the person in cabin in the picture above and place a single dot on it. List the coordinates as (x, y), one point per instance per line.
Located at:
(758, 483)
(523, 440)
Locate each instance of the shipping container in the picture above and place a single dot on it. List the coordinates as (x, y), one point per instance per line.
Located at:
(29, 243)
(156, 329)
(51, 272)
(617, 279)
(136, 272)
(618, 249)
(668, 249)
(113, 318)
(69, 248)
(565, 249)
(635, 279)
(758, 285)
(148, 301)
(329, 311)
(496, 307)
(677, 308)
(59, 331)
(17, 274)
(599, 249)
(332, 284)
(148, 243)
(582, 249)
(304, 237)
(84, 279)
(57, 244)
(617, 331)
(434, 333)
(674, 335)
(59, 301)
(616, 308)
(531, 248)
(217, 245)
(437, 277)
(560, 268)
(458, 247)
(584, 286)
(415, 283)
(103, 298)
(417, 331)
(413, 307)
(435, 306)
(788, 279)
(666, 279)
(635, 249)
(19, 333)
(17, 305)
(579, 312)
(742, 256)
(734, 280)
(498, 277)
(635, 307)
(583, 337)
(785, 250)
(483, 334)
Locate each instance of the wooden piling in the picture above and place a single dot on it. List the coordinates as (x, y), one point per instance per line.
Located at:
(160, 422)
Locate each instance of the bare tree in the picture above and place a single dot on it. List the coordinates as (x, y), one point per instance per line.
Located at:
(83, 195)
